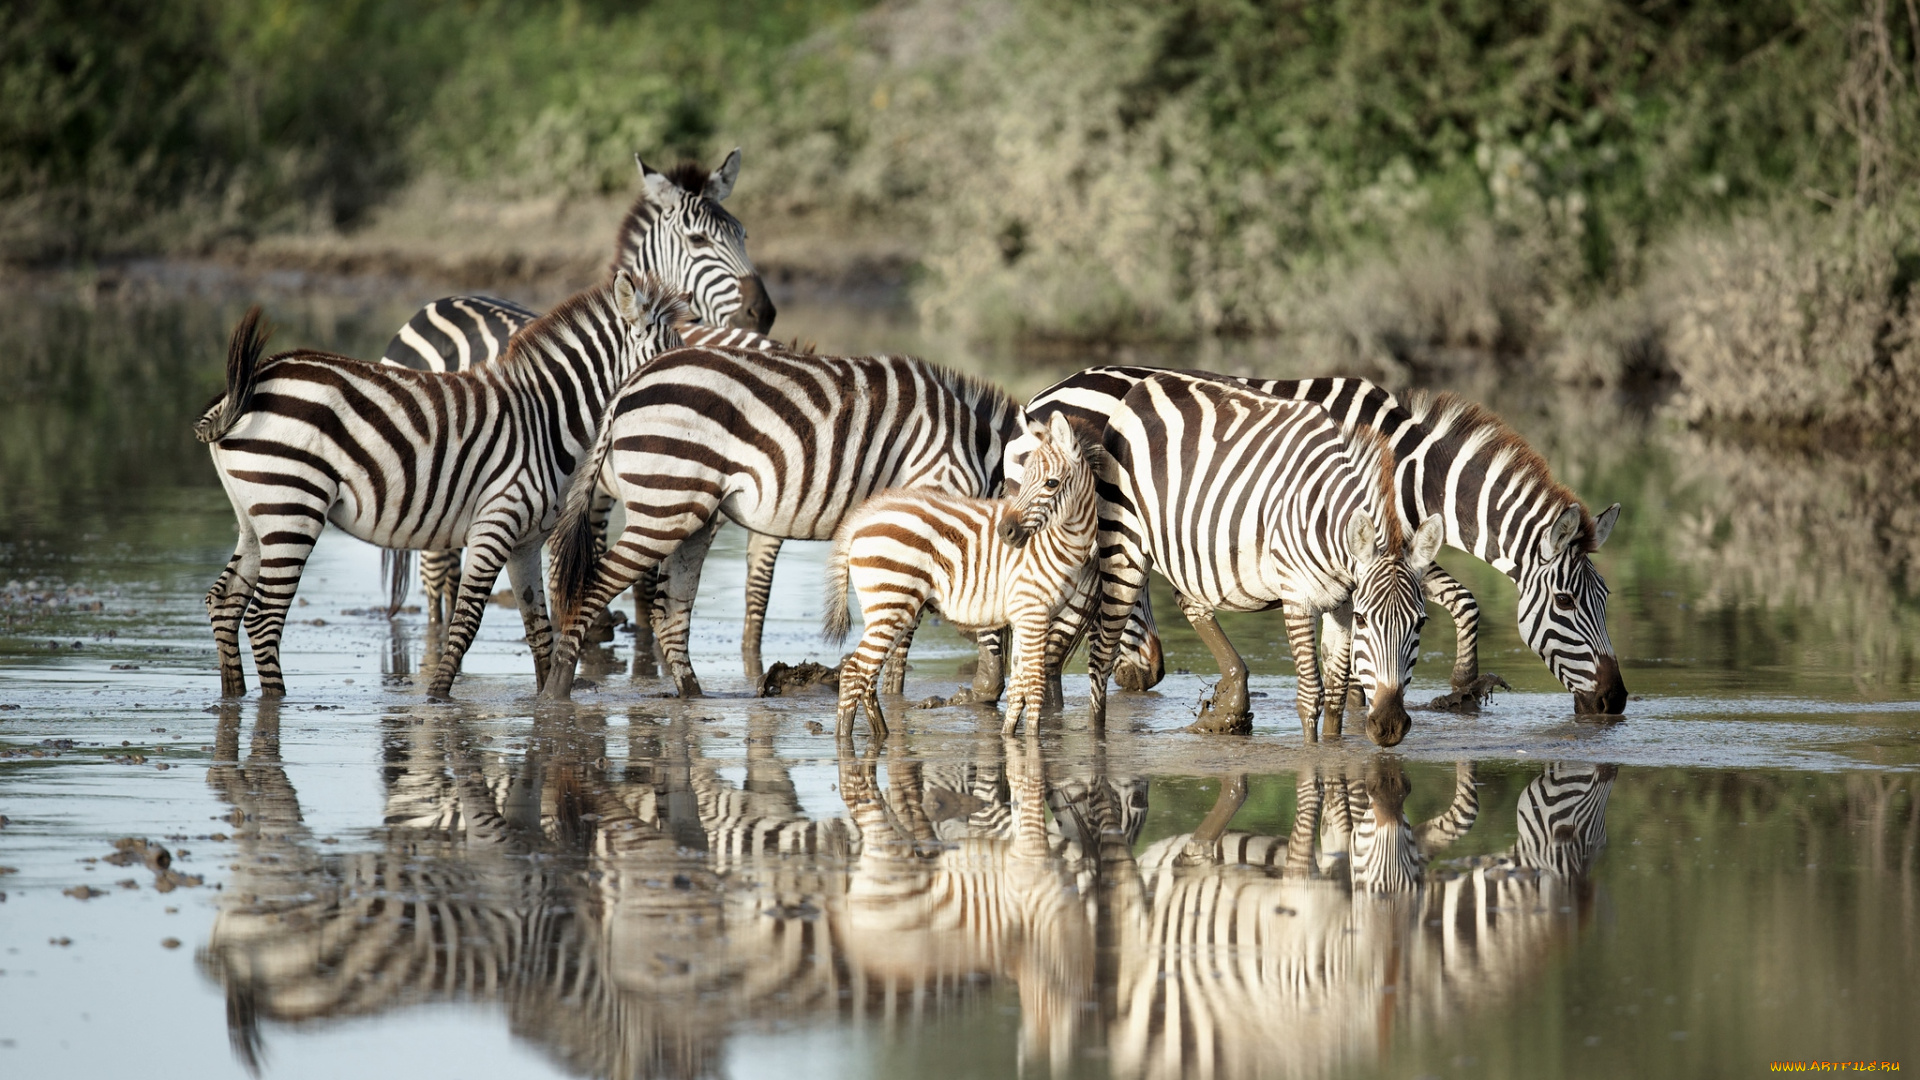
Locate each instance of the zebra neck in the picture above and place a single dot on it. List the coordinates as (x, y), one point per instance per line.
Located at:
(1494, 509)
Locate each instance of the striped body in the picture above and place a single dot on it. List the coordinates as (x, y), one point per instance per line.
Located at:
(784, 444)
(1247, 502)
(984, 563)
(676, 231)
(415, 460)
(1496, 496)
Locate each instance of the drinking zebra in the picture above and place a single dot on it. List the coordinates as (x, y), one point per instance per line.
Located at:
(784, 444)
(409, 459)
(1495, 493)
(985, 563)
(1247, 502)
(677, 231)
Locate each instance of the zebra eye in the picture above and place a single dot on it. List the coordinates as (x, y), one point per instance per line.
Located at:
(1563, 601)
(1421, 623)
(698, 239)
(1052, 482)
(1359, 621)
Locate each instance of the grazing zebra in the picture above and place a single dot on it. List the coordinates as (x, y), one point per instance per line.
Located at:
(1495, 493)
(985, 563)
(409, 459)
(678, 232)
(1247, 502)
(784, 444)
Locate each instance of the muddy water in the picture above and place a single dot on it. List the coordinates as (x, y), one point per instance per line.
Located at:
(356, 881)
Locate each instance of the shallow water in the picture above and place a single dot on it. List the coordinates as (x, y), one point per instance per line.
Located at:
(642, 886)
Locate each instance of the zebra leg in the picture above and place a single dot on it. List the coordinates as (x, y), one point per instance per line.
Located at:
(681, 572)
(860, 669)
(439, 575)
(1029, 630)
(1442, 588)
(646, 646)
(523, 573)
(1123, 575)
(632, 558)
(286, 540)
(488, 548)
(893, 675)
(1141, 665)
(1306, 824)
(1203, 847)
(1306, 663)
(762, 552)
(1068, 628)
(989, 674)
(1336, 641)
(1227, 712)
(226, 603)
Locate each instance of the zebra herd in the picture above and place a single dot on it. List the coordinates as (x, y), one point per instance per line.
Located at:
(493, 430)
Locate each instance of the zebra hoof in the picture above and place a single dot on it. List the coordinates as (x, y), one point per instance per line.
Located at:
(1220, 722)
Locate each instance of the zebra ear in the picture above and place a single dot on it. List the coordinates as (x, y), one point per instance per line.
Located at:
(659, 188)
(720, 182)
(1062, 434)
(1360, 542)
(1603, 525)
(624, 301)
(1557, 538)
(1426, 542)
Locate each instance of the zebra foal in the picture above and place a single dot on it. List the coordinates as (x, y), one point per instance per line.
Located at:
(986, 563)
(1247, 502)
(408, 459)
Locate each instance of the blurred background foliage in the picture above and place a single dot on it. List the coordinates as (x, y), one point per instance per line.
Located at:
(1619, 193)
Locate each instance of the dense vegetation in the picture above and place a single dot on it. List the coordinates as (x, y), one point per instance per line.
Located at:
(1628, 190)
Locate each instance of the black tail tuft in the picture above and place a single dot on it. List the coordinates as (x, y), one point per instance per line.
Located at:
(243, 370)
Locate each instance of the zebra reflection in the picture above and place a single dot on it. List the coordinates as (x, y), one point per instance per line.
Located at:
(1250, 955)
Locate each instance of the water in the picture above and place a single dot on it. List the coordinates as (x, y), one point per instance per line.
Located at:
(642, 886)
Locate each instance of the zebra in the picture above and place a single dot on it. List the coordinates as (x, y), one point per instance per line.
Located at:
(1497, 496)
(784, 444)
(1248, 502)
(411, 459)
(675, 230)
(985, 563)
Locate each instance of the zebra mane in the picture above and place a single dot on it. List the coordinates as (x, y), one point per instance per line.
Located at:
(982, 397)
(1446, 412)
(1372, 458)
(656, 298)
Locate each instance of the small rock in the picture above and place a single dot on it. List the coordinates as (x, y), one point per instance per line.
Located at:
(815, 727)
(83, 892)
(170, 943)
(60, 941)
(124, 667)
(781, 678)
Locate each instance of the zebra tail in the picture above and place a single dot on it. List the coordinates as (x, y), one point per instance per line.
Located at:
(398, 568)
(572, 547)
(243, 370)
(836, 622)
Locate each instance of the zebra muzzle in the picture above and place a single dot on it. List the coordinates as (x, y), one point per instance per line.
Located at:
(756, 309)
(1609, 694)
(1387, 719)
(1012, 531)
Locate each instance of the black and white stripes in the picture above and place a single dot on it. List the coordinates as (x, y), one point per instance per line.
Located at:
(782, 443)
(407, 459)
(1247, 502)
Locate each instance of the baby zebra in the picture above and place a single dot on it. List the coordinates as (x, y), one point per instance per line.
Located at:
(986, 563)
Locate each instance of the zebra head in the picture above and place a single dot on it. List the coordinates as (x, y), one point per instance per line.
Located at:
(1563, 610)
(678, 231)
(1388, 611)
(1563, 818)
(654, 313)
(1057, 482)
(1386, 856)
